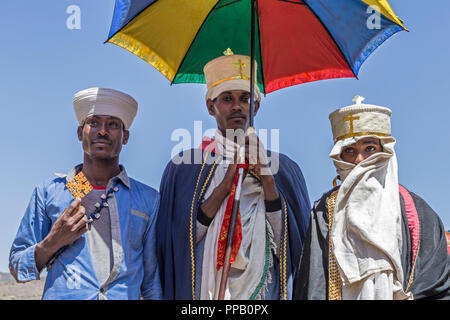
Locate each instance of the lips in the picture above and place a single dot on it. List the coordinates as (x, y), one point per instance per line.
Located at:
(101, 142)
(237, 116)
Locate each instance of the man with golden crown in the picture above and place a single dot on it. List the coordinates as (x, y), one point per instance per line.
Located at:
(197, 198)
(93, 228)
(370, 238)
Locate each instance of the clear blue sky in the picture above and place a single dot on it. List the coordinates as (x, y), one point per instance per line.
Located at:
(43, 64)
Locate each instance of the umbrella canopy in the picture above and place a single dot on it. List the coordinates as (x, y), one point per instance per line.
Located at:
(295, 41)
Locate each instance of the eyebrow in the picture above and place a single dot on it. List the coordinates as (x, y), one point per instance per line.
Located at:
(229, 92)
(106, 117)
(371, 142)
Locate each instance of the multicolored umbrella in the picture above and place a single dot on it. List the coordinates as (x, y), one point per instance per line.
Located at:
(295, 41)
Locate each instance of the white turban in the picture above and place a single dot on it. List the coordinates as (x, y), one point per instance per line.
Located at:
(229, 72)
(102, 101)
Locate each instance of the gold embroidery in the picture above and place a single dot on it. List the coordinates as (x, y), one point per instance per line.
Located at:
(351, 119)
(240, 64)
(191, 234)
(226, 79)
(283, 257)
(411, 277)
(359, 134)
(334, 276)
(335, 181)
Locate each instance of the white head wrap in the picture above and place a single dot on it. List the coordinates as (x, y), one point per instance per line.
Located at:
(102, 101)
(229, 72)
(366, 232)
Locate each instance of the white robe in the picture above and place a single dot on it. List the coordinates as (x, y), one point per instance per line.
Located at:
(247, 271)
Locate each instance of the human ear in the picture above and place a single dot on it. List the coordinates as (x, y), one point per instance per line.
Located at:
(256, 108)
(126, 136)
(80, 133)
(210, 107)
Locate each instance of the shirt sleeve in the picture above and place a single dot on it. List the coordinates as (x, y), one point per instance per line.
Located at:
(33, 228)
(151, 285)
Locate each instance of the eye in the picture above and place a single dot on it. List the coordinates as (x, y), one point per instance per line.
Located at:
(226, 98)
(371, 149)
(114, 124)
(92, 122)
(349, 150)
(245, 99)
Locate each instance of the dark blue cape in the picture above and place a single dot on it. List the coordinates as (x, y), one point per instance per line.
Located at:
(182, 188)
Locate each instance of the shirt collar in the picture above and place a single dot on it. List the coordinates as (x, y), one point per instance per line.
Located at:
(122, 176)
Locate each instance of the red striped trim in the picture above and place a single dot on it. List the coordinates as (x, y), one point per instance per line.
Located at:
(413, 220)
(308, 77)
(98, 187)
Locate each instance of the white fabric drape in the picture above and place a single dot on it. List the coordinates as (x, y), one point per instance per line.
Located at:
(246, 272)
(366, 231)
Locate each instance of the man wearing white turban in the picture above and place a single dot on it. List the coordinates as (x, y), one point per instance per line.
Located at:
(197, 199)
(93, 228)
(370, 238)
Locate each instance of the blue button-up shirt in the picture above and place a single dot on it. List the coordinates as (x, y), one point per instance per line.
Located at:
(134, 275)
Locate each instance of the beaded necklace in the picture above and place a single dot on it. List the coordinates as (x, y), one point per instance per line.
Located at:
(100, 205)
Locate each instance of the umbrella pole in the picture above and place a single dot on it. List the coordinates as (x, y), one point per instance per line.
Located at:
(252, 64)
(230, 237)
(233, 218)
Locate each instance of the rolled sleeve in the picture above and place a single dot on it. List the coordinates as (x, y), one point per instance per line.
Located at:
(23, 266)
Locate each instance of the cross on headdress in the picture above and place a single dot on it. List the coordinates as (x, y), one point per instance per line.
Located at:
(240, 64)
(351, 118)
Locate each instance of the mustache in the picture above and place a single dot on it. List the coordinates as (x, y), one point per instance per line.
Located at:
(237, 115)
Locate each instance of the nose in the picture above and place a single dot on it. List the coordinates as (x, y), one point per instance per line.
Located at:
(359, 157)
(102, 129)
(236, 105)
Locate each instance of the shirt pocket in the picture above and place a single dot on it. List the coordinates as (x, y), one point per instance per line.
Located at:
(136, 229)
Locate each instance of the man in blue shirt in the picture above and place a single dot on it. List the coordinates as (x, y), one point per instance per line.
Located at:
(94, 227)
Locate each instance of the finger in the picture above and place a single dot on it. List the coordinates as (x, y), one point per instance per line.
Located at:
(83, 229)
(81, 224)
(63, 214)
(236, 155)
(75, 203)
(79, 214)
(252, 155)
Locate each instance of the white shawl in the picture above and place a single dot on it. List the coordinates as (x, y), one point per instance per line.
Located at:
(246, 272)
(366, 232)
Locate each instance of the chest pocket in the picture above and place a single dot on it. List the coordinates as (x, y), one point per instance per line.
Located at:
(136, 228)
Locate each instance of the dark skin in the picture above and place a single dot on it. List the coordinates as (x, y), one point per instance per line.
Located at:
(361, 150)
(102, 138)
(231, 109)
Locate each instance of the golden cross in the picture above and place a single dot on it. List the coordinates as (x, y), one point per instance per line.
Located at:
(240, 64)
(351, 119)
(79, 186)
